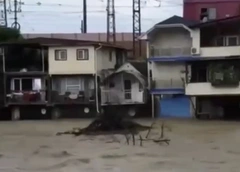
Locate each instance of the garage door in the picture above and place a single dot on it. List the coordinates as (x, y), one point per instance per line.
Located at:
(175, 106)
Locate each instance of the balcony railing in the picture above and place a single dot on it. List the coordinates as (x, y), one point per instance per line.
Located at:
(81, 97)
(170, 51)
(27, 97)
(168, 84)
(121, 97)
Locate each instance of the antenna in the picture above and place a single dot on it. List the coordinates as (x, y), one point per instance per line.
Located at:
(111, 24)
(136, 7)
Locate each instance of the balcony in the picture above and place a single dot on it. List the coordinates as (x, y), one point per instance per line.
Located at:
(220, 51)
(26, 97)
(170, 52)
(119, 97)
(82, 97)
(171, 86)
(206, 88)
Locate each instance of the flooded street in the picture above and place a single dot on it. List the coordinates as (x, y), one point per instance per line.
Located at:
(199, 146)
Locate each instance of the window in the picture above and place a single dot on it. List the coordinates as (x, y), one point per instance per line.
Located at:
(82, 54)
(74, 85)
(227, 41)
(208, 14)
(61, 55)
(231, 40)
(220, 41)
(19, 84)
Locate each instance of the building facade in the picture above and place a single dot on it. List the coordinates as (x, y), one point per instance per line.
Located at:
(62, 77)
(194, 67)
(205, 10)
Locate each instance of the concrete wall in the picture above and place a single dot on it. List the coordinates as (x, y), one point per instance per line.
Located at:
(168, 75)
(208, 89)
(220, 51)
(172, 39)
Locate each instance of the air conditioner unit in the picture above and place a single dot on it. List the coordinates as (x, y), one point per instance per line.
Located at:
(195, 51)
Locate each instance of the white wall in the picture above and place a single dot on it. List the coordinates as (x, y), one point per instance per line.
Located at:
(207, 89)
(116, 94)
(171, 38)
(72, 65)
(168, 74)
(220, 51)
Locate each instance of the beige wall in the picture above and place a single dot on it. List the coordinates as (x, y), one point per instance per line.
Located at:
(208, 89)
(72, 65)
(220, 51)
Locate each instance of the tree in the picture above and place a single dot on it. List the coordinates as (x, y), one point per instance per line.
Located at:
(8, 34)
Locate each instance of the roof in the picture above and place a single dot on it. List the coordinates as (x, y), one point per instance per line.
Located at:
(141, 66)
(217, 21)
(177, 20)
(137, 75)
(123, 39)
(48, 42)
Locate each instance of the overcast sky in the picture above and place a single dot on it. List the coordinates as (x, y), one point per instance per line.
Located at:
(64, 16)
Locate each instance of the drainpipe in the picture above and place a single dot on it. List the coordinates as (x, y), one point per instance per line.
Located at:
(96, 76)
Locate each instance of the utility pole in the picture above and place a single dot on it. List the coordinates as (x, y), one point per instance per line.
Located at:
(17, 9)
(136, 7)
(111, 24)
(84, 25)
(3, 13)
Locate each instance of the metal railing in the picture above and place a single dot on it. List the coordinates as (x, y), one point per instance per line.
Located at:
(118, 97)
(68, 97)
(170, 83)
(154, 51)
(26, 96)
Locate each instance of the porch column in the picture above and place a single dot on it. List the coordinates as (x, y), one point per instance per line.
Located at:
(42, 55)
(153, 106)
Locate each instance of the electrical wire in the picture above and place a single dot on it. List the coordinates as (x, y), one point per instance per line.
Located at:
(40, 13)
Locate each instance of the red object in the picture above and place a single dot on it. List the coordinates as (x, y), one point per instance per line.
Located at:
(224, 8)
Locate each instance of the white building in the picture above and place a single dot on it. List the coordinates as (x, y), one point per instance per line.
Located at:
(186, 66)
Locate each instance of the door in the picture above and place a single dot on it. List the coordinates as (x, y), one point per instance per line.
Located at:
(127, 90)
(177, 106)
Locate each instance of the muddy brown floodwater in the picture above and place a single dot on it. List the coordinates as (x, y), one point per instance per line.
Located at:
(199, 146)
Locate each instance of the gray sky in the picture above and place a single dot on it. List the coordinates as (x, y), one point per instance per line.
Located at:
(50, 17)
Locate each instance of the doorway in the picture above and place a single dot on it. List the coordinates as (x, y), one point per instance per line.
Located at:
(127, 90)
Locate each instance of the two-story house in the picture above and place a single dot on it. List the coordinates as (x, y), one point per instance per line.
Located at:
(194, 67)
(74, 70)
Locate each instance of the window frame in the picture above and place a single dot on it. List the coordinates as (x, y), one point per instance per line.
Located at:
(80, 84)
(56, 54)
(83, 50)
(232, 36)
